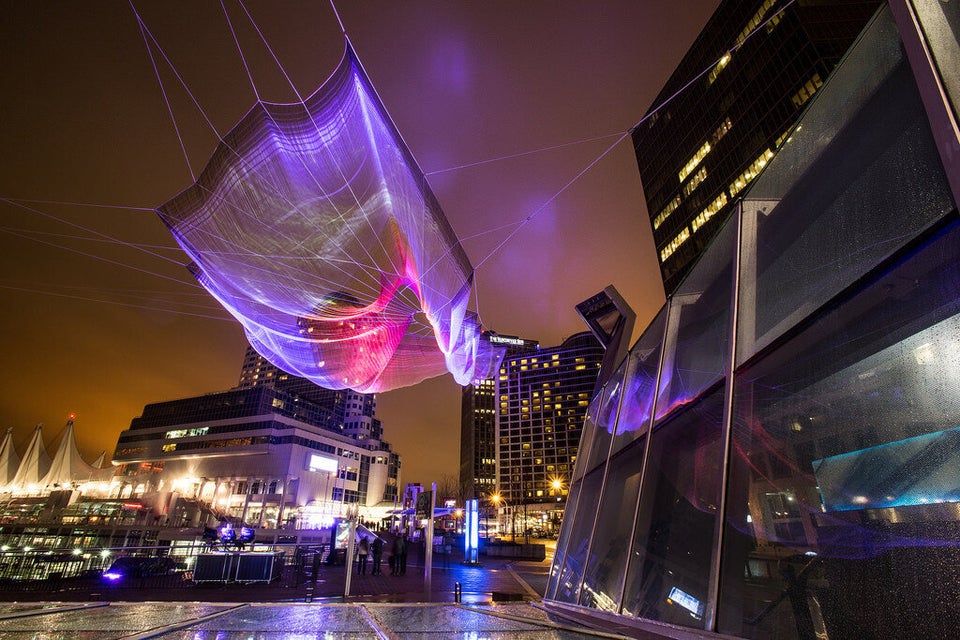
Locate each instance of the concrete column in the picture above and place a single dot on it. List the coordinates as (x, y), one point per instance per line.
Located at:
(246, 500)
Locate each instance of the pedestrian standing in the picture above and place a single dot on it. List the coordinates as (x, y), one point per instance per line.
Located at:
(376, 549)
(363, 550)
(400, 551)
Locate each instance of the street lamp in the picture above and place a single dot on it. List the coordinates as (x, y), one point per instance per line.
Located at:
(497, 500)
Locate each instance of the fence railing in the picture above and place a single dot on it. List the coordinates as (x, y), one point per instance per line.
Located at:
(154, 567)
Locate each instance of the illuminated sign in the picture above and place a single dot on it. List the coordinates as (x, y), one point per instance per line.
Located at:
(505, 340)
(322, 463)
(471, 540)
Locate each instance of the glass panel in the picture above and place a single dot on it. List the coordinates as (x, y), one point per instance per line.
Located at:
(858, 178)
(844, 491)
(569, 581)
(587, 436)
(609, 549)
(940, 21)
(607, 417)
(640, 385)
(698, 325)
(563, 540)
(670, 558)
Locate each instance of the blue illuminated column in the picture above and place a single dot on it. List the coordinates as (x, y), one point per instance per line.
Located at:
(472, 532)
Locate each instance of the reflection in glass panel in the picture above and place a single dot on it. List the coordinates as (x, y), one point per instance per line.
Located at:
(561, 549)
(670, 560)
(844, 496)
(568, 583)
(587, 436)
(611, 539)
(640, 384)
(698, 325)
(859, 177)
(606, 417)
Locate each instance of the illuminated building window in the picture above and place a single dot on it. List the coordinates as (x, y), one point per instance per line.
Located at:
(668, 250)
(755, 21)
(663, 215)
(722, 130)
(773, 22)
(709, 212)
(755, 167)
(695, 181)
(580, 367)
(784, 137)
(694, 161)
(718, 68)
(807, 90)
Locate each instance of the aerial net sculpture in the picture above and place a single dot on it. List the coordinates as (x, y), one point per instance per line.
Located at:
(314, 227)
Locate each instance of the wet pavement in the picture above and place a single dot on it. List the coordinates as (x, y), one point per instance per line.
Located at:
(499, 601)
(277, 621)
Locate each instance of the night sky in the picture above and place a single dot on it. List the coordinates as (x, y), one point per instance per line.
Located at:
(100, 316)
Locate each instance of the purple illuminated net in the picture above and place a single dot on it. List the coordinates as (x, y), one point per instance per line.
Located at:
(313, 226)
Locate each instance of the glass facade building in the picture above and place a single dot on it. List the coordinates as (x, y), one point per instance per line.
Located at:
(778, 457)
(728, 109)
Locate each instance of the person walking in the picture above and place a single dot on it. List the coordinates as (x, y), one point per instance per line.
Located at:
(376, 549)
(363, 550)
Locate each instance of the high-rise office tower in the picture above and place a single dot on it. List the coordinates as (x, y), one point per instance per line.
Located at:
(478, 425)
(728, 108)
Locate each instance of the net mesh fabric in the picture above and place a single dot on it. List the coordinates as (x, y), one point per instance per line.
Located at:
(313, 226)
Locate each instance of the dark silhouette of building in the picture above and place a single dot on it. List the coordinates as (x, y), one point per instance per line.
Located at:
(728, 108)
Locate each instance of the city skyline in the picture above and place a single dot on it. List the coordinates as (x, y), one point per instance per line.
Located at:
(95, 326)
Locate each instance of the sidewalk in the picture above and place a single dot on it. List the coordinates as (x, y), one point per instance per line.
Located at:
(516, 580)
